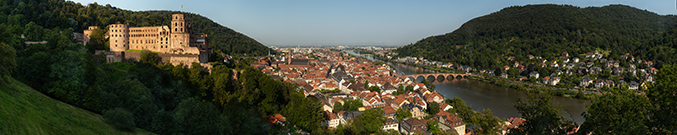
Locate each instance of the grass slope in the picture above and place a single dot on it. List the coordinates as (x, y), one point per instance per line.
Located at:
(24, 110)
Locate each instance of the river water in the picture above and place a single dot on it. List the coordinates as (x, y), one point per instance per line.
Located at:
(500, 100)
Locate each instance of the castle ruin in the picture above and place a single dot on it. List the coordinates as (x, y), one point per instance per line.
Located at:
(175, 44)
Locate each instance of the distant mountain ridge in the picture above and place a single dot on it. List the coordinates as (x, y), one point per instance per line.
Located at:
(544, 30)
(68, 14)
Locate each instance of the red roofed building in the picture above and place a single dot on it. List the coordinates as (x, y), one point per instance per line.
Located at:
(435, 97)
(331, 119)
(389, 111)
(449, 122)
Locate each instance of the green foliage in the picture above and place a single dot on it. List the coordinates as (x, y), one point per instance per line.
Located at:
(400, 90)
(68, 14)
(490, 124)
(352, 105)
(306, 113)
(663, 97)
(548, 30)
(541, 116)
(374, 89)
(197, 117)
(33, 32)
(164, 123)
(461, 109)
(149, 57)
(370, 121)
(338, 107)
(623, 111)
(120, 118)
(97, 41)
(27, 111)
(433, 108)
(409, 88)
(402, 113)
(433, 127)
(7, 62)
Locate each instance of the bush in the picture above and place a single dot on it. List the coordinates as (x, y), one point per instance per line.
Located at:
(120, 118)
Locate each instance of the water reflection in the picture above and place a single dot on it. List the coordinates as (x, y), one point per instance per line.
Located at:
(500, 100)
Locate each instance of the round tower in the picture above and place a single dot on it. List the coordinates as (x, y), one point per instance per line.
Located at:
(119, 37)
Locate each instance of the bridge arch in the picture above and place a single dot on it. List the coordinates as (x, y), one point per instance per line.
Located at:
(440, 78)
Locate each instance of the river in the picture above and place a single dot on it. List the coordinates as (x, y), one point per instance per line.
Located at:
(500, 100)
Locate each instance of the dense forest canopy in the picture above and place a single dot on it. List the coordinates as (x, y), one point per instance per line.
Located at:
(67, 14)
(547, 31)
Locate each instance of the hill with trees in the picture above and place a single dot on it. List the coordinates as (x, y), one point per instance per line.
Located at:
(547, 31)
(27, 111)
(61, 14)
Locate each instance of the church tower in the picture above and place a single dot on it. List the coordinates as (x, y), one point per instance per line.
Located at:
(179, 37)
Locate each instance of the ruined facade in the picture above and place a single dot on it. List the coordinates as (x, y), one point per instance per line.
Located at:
(179, 40)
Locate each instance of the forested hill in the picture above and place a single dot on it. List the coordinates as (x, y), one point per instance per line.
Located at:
(547, 31)
(67, 14)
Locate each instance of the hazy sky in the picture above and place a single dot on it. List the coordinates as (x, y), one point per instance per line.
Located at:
(359, 22)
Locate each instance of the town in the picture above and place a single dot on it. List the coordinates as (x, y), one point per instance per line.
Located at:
(338, 79)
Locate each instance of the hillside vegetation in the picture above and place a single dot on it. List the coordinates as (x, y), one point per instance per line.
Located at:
(61, 14)
(547, 31)
(24, 110)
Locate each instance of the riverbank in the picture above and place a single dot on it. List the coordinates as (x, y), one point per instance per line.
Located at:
(518, 85)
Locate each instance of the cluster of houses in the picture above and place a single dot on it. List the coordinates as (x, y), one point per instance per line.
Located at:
(338, 71)
(588, 68)
(349, 79)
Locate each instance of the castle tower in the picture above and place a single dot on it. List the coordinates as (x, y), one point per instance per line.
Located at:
(179, 37)
(119, 37)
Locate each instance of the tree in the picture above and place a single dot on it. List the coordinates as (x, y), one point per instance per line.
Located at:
(149, 57)
(663, 97)
(489, 123)
(433, 108)
(370, 121)
(33, 32)
(465, 112)
(409, 88)
(541, 116)
(197, 117)
(375, 89)
(338, 107)
(402, 113)
(621, 111)
(120, 118)
(7, 62)
(164, 123)
(306, 113)
(433, 127)
(97, 41)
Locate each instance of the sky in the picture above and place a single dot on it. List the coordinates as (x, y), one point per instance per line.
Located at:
(353, 22)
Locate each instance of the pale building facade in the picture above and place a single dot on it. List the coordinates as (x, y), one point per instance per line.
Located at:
(177, 39)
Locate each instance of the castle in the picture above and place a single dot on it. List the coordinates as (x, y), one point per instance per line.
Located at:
(178, 44)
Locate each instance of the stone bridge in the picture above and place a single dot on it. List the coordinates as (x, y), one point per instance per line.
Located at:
(437, 76)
